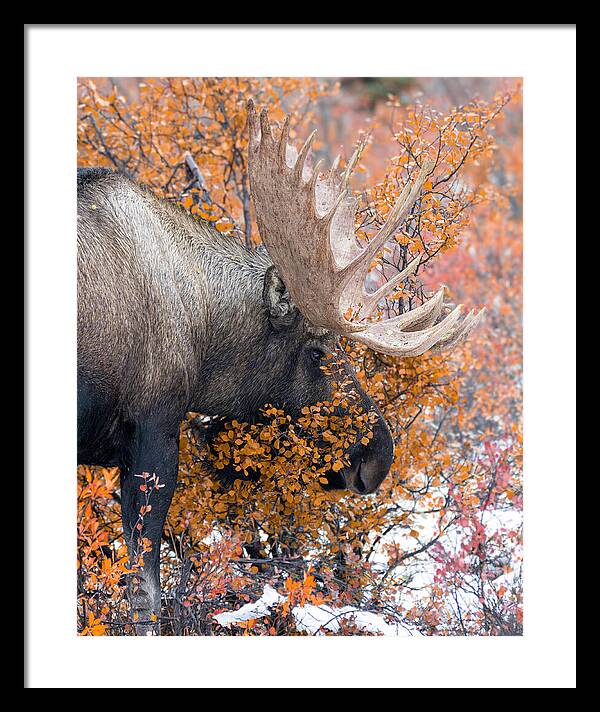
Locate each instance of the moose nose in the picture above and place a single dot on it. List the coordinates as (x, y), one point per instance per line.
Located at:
(370, 465)
(365, 477)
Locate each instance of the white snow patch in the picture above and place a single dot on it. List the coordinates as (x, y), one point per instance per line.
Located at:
(313, 619)
(258, 609)
(317, 619)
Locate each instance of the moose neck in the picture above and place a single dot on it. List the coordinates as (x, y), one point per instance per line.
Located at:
(231, 325)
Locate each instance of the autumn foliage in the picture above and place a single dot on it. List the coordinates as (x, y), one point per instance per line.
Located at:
(437, 549)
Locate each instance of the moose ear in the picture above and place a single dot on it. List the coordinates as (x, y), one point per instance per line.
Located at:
(276, 298)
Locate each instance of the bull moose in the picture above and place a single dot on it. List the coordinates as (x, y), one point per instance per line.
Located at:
(175, 317)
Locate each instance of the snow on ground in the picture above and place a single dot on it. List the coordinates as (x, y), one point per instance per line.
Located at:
(258, 609)
(314, 619)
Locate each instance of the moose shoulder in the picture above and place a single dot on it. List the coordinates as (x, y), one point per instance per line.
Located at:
(175, 317)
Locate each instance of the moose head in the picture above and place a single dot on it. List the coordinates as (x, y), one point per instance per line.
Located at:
(314, 290)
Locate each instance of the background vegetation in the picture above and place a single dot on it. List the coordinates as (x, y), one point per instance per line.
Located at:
(437, 550)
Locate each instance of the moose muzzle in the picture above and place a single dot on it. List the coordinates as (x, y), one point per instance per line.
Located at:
(370, 464)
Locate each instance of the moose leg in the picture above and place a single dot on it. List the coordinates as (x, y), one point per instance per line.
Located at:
(147, 484)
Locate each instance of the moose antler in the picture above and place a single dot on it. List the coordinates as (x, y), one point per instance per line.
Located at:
(307, 224)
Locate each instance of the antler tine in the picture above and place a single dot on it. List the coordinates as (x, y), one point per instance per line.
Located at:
(314, 177)
(425, 315)
(330, 214)
(371, 300)
(351, 165)
(265, 128)
(403, 204)
(252, 126)
(383, 337)
(283, 141)
(334, 166)
(460, 333)
(299, 166)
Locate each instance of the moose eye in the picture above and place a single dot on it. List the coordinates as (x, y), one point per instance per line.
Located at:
(316, 356)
